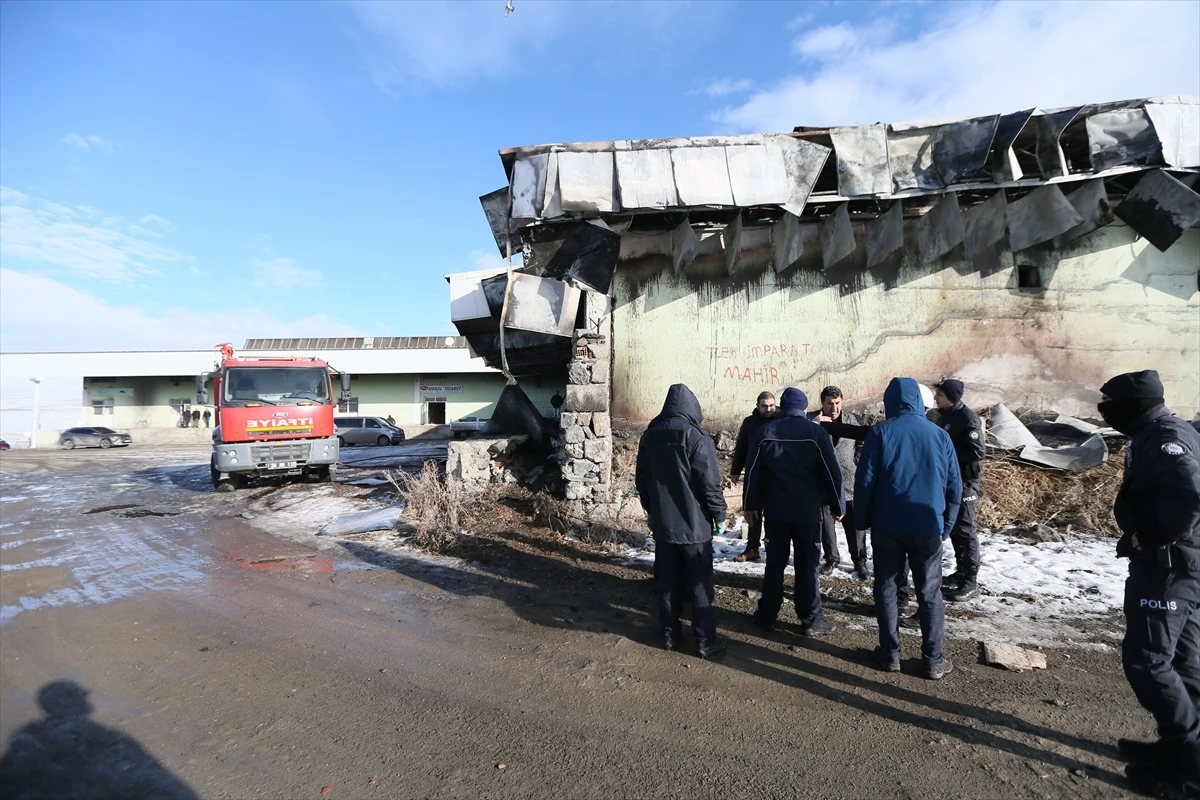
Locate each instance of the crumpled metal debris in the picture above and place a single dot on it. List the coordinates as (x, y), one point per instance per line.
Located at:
(1009, 433)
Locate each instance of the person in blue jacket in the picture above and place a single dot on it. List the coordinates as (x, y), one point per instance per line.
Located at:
(906, 492)
(793, 474)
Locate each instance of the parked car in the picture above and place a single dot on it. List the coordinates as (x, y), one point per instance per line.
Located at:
(462, 428)
(93, 437)
(5, 445)
(366, 430)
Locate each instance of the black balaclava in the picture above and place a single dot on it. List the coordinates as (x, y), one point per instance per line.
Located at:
(1131, 395)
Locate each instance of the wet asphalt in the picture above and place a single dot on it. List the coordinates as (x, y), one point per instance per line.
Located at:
(158, 638)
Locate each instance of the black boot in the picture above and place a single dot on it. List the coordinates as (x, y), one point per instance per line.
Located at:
(966, 589)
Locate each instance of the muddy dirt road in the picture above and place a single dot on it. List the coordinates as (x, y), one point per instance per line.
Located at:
(157, 637)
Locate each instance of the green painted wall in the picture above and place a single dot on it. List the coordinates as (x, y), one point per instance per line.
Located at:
(146, 402)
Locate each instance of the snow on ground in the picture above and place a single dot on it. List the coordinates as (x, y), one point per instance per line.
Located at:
(1053, 594)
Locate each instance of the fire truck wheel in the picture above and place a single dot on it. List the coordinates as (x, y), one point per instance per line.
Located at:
(324, 474)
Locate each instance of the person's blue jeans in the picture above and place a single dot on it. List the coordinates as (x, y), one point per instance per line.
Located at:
(924, 553)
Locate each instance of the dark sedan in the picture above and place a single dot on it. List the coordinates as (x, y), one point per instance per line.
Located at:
(93, 437)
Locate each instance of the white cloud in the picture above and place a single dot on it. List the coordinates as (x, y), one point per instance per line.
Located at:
(91, 142)
(973, 59)
(41, 314)
(826, 40)
(727, 87)
(283, 274)
(77, 239)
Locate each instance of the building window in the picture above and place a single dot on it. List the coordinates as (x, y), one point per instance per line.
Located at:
(1029, 277)
(102, 408)
(348, 407)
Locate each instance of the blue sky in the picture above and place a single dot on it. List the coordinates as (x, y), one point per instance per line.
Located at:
(180, 174)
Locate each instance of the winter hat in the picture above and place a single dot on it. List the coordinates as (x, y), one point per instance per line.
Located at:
(793, 398)
(1142, 385)
(952, 389)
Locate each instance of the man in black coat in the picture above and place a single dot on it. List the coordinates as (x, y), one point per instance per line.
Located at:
(679, 484)
(764, 412)
(966, 433)
(1158, 511)
(793, 474)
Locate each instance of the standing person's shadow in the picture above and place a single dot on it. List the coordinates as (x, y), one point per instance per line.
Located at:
(65, 754)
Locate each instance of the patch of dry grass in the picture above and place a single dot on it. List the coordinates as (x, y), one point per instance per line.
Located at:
(438, 510)
(1015, 493)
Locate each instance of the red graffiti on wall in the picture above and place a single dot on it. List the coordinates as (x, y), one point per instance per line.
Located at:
(755, 360)
(764, 374)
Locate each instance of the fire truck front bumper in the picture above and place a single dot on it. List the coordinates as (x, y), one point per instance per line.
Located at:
(260, 457)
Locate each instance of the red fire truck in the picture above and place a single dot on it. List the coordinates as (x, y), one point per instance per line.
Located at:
(274, 416)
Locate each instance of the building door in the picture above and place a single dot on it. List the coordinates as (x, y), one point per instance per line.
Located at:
(436, 413)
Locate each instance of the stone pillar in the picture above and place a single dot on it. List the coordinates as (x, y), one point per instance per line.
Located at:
(585, 444)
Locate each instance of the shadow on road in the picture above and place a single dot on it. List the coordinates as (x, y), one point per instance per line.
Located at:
(66, 754)
(577, 590)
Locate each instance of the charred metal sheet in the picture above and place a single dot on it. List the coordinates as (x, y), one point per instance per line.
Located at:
(885, 234)
(495, 208)
(529, 186)
(788, 239)
(1040, 216)
(1007, 431)
(837, 236)
(516, 413)
(683, 246)
(961, 148)
(585, 181)
(493, 292)
(552, 199)
(984, 224)
(802, 164)
(910, 153)
(1177, 126)
(1090, 201)
(1050, 126)
(1160, 208)
(1003, 160)
(541, 305)
(702, 176)
(731, 241)
(1121, 136)
(528, 353)
(862, 160)
(939, 231)
(596, 260)
(583, 252)
(756, 175)
(645, 179)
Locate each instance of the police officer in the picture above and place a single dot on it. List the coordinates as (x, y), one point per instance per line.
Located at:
(966, 432)
(679, 484)
(1158, 511)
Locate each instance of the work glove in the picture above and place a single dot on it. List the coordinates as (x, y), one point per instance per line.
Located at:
(719, 529)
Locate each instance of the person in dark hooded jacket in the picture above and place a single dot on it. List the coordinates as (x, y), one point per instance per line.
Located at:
(906, 491)
(678, 481)
(1158, 511)
(793, 474)
(966, 432)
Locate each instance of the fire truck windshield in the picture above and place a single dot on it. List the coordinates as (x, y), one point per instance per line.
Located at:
(276, 386)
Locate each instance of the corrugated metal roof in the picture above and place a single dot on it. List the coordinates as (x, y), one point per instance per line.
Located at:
(358, 343)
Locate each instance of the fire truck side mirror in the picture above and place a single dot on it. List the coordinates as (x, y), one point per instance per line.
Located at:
(201, 390)
(345, 376)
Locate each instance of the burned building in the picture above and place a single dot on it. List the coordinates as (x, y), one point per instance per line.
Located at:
(1031, 254)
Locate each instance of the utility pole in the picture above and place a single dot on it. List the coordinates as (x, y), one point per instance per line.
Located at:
(37, 411)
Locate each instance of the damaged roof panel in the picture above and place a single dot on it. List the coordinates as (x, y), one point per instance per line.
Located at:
(862, 160)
